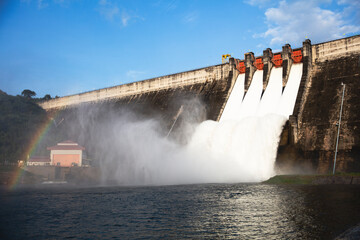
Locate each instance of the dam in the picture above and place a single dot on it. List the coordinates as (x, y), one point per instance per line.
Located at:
(309, 137)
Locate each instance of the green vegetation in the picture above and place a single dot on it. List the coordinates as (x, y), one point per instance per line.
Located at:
(291, 179)
(20, 118)
(28, 93)
(338, 178)
(352, 174)
(47, 97)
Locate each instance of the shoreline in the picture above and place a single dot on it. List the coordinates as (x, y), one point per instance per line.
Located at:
(315, 179)
(8, 173)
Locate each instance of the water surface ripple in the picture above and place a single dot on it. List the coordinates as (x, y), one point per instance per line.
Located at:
(205, 211)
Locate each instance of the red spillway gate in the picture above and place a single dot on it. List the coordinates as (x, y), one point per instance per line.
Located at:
(277, 60)
(296, 56)
(259, 63)
(241, 66)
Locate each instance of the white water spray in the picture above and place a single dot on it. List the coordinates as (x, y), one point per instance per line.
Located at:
(241, 147)
(270, 99)
(233, 106)
(246, 138)
(252, 98)
(288, 98)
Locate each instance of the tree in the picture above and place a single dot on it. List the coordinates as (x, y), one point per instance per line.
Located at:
(20, 120)
(47, 97)
(28, 93)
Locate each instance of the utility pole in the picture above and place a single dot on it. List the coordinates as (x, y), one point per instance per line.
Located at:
(339, 123)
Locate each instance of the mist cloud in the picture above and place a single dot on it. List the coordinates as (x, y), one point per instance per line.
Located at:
(134, 150)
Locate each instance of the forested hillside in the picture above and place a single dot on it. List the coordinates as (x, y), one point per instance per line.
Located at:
(20, 117)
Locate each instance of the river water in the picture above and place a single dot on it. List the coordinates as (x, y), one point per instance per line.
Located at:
(204, 211)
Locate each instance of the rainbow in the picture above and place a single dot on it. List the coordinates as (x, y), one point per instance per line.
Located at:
(38, 136)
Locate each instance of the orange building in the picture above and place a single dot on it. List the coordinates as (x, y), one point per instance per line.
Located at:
(66, 154)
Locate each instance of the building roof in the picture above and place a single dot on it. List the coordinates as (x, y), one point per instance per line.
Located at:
(39, 159)
(67, 142)
(66, 145)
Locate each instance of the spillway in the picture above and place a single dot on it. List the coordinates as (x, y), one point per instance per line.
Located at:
(243, 144)
(252, 98)
(288, 98)
(232, 108)
(271, 97)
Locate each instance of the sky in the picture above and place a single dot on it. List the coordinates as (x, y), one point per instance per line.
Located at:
(64, 47)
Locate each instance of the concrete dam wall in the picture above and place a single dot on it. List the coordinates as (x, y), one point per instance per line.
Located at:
(314, 124)
(211, 84)
(308, 139)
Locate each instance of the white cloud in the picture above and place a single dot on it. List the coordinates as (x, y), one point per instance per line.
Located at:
(42, 4)
(125, 18)
(134, 75)
(260, 45)
(295, 21)
(111, 12)
(190, 17)
(352, 7)
(352, 2)
(108, 10)
(166, 5)
(171, 5)
(258, 3)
